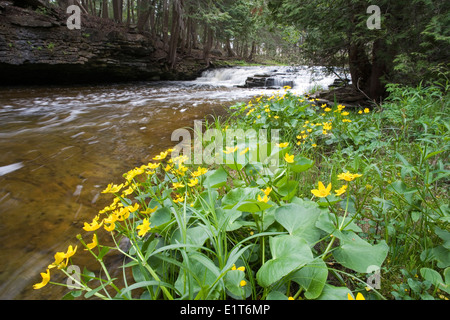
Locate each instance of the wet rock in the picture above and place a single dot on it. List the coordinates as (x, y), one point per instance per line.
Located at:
(36, 47)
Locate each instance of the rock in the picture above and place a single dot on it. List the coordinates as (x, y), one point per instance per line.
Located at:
(36, 47)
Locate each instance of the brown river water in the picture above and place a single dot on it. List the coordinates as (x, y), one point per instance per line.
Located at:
(61, 146)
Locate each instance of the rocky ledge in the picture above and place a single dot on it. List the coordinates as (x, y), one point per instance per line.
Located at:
(36, 47)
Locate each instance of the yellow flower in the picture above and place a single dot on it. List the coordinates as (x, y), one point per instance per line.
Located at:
(144, 227)
(327, 109)
(366, 110)
(113, 188)
(149, 210)
(153, 166)
(360, 112)
(230, 150)
(123, 214)
(168, 168)
(134, 207)
(267, 191)
(287, 87)
(341, 190)
(110, 228)
(200, 171)
(288, 158)
(178, 199)
(346, 120)
(314, 145)
(244, 151)
(322, 192)
(93, 244)
(45, 280)
(177, 185)
(291, 298)
(282, 145)
(276, 117)
(347, 176)
(345, 113)
(340, 107)
(161, 156)
(359, 296)
(264, 199)
(242, 283)
(193, 182)
(240, 268)
(93, 226)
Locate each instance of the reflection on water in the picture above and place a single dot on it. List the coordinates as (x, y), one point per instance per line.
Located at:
(60, 146)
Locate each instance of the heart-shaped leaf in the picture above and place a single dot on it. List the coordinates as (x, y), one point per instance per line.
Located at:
(289, 253)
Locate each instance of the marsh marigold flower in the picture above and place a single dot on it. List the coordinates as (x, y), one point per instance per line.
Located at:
(282, 145)
(264, 199)
(359, 296)
(193, 182)
(322, 192)
(341, 190)
(347, 176)
(288, 158)
(144, 227)
(45, 279)
(161, 156)
(149, 210)
(93, 244)
(244, 151)
(230, 150)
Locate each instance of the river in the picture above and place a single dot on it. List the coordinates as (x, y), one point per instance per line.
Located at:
(60, 146)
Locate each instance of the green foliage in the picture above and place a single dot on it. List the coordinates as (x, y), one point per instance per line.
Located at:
(251, 229)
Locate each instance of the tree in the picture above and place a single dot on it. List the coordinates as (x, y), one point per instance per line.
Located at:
(336, 30)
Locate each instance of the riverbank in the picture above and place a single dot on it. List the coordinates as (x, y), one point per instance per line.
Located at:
(343, 204)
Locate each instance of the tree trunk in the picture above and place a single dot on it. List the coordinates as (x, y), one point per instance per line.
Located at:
(207, 44)
(105, 9)
(360, 67)
(377, 89)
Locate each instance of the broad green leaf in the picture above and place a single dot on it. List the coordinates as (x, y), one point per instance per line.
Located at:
(301, 164)
(232, 282)
(330, 292)
(239, 195)
(357, 254)
(289, 253)
(434, 277)
(312, 278)
(160, 217)
(276, 295)
(288, 189)
(253, 206)
(215, 179)
(299, 220)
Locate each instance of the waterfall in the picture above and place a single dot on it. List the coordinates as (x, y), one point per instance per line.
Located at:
(301, 78)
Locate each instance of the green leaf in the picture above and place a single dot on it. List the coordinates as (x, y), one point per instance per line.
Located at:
(289, 253)
(334, 293)
(434, 277)
(301, 164)
(312, 278)
(299, 220)
(253, 206)
(232, 282)
(160, 217)
(215, 179)
(357, 254)
(288, 189)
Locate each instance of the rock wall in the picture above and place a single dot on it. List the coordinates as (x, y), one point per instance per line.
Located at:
(36, 47)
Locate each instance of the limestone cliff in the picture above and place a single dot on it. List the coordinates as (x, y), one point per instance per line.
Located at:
(36, 47)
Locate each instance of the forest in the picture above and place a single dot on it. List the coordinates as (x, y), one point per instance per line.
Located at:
(410, 45)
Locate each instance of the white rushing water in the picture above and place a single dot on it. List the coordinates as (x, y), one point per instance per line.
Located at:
(302, 79)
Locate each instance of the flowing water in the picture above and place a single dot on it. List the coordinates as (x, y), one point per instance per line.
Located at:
(60, 147)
